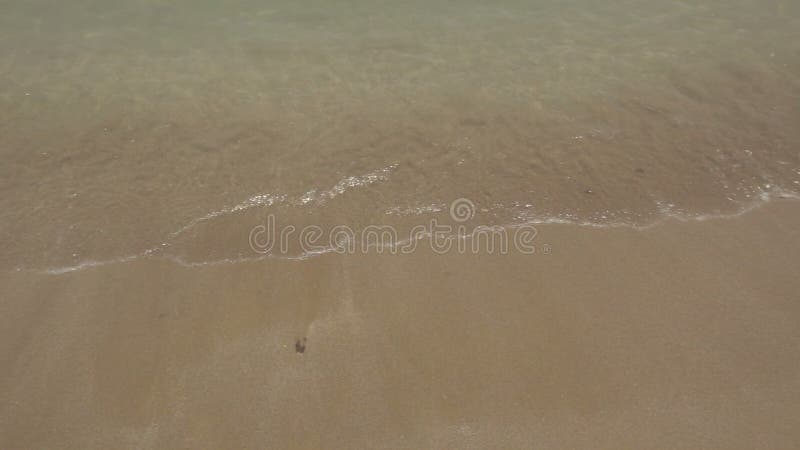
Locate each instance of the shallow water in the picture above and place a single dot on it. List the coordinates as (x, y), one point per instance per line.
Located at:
(130, 126)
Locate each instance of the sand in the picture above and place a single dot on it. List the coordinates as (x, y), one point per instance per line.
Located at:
(681, 335)
(141, 141)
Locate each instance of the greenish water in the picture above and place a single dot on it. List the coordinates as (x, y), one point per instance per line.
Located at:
(130, 125)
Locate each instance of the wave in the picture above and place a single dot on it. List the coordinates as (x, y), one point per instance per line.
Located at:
(666, 212)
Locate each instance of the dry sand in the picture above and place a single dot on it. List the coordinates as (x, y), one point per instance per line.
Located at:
(683, 335)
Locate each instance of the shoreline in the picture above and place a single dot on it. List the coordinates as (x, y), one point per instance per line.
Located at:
(153, 253)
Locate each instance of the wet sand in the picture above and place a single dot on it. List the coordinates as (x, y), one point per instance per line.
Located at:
(682, 335)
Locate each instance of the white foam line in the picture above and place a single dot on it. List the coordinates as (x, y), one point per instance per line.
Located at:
(343, 185)
(244, 259)
(252, 202)
(267, 199)
(177, 260)
(258, 200)
(416, 210)
(87, 265)
(666, 214)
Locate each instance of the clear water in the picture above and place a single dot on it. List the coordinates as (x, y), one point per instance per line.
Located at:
(127, 126)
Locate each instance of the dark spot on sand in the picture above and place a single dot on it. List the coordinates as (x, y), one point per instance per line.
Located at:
(639, 170)
(300, 345)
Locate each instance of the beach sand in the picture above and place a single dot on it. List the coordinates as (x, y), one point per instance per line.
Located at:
(654, 146)
(681, 335)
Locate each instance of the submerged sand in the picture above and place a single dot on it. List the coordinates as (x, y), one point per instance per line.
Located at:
(122, 121)
(682, 335)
